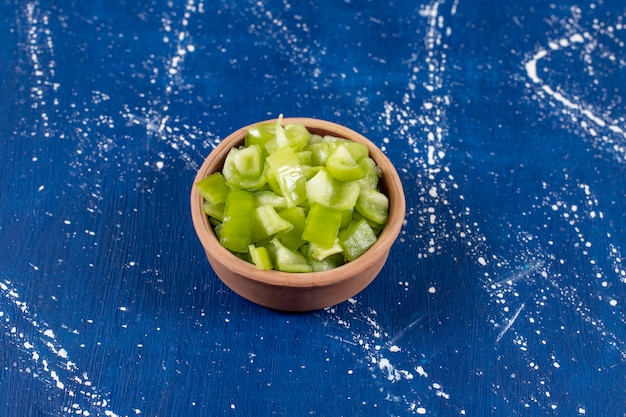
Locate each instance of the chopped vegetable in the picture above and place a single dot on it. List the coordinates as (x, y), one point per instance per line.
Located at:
(322, 225)
(288, 174)
(294, 201)
(288, 260)
(213, 188)
(267, 223)
(356, 239)
(342, 166)
(373, 205)
(236, 231)
(243, 168)
(325, 190)
(260, 257)
(292, 238)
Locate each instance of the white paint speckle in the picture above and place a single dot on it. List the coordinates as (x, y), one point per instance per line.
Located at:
(62, 353)
(577, 38)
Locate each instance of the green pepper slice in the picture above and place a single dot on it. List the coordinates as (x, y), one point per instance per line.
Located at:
(236, 232)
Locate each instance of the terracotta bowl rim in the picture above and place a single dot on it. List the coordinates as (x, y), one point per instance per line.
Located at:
(345, 272)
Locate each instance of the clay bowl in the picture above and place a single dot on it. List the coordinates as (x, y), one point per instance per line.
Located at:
(299, 292)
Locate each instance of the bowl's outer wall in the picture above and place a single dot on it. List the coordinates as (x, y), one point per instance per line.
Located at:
(300, 291)
(295, 299)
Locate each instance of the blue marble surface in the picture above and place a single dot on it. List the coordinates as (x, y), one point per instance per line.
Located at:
(503, 296)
